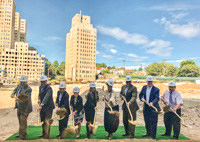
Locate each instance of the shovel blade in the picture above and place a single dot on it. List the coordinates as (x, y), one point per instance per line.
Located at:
(133, 122)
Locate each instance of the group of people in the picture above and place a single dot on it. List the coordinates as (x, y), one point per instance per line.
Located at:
(149, 95)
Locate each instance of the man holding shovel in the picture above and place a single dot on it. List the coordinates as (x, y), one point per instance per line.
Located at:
(45, 100)
(24, 107)
(173, 98)
(129, 93)
(150, 96)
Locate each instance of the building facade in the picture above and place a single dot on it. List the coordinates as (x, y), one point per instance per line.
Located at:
(81, 50)
(7, 24)
(22, 60)
(17, 27)
(23, 30)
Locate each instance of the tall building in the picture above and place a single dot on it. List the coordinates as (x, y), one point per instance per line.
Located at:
(81, 50)
(22, 60)
(7, 24)
(17, 27)
(23, 30)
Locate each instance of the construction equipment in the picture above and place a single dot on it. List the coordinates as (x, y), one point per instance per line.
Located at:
(130, 121)
(168, 107)
(38, 123)
(93, 127)
(156, 110)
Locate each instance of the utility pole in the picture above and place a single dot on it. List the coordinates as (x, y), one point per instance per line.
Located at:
(164, 66)
(124, 63)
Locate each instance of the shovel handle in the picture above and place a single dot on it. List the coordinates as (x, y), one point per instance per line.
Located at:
(129, 110)
(95, 116)
(151, 106)
(108, 105)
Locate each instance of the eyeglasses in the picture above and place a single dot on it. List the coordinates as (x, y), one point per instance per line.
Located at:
(128, 81)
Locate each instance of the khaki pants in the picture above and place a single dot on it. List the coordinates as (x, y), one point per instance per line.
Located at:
(22, 124)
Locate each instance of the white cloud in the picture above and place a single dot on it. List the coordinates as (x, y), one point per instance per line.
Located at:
(139, 39)
(54, 38)
(180, 60)
(108, 45)
(178, 16)
(102, 54)
(188, 30)
(113, 51)
(120, 34)
(131, 57)
(172, 7)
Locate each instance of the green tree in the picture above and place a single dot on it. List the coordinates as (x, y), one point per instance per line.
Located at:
(113, 67)
(183, 63)
(189, 70)
(140, 69)
(60, 78)
(61, 69)
(170, 70)
(48, 71)
(155, 69)
(101, 65)
(54, 68)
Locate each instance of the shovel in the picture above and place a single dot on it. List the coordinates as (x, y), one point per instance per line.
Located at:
(169, 107)
(93, 126)
(130, 121)
(156, 111)
(111, 110)
(69, 131)
(38, 123)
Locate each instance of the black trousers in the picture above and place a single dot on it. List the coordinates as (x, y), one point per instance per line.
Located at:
(129, 128)
(151, 120)
(45, 127)
(63, 123)
(170, 119)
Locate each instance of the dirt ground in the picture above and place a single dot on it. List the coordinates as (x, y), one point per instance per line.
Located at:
(9, 122)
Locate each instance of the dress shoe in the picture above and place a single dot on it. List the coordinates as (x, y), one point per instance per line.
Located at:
(175, 138)
(130, 136)
(125, 134)
(165, 134)
(110, 136)
(17, 136)
(146, 135)
(40, 136)
(58, 135)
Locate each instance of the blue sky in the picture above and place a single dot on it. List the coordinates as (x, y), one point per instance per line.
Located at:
(140, 32)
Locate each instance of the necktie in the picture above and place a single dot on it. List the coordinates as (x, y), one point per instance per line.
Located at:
(20, 90)
(170, 100)
(42, 89)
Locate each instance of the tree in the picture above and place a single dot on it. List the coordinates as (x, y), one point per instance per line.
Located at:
(54, 68)
(189, 70)
(47, 67)
(170, 70)
(140, 69)
(61, 69)
(60, 78)
(101, 65)
(183, 63)
(113, 67)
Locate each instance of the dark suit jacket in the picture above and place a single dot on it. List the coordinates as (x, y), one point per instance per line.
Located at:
(64, 101)
(154, 97)
(91, 100)
(131, 96)
(25, 107)
(78, 106)
(46, 98)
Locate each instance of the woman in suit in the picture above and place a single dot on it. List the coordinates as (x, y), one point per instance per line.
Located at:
(62, 101)
(90, 106)
(76, 104)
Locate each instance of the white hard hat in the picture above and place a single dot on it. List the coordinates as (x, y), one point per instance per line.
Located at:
(92, 84)
(110, 82)
(43, 78)
(23, 79)
(76, 90)
(149, 78)
(62, 85)
(128, 78)
(172, 83)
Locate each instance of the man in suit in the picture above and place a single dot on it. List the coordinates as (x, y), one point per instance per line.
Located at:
(62, 101)
(23, 108)
(150, 94)
(129, 92)
(45, 100)
(173, 98)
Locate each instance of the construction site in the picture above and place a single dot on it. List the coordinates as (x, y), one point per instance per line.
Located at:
(190, 110)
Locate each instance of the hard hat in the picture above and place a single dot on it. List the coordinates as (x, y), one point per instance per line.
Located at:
(172, 83)
(128, 78)
(110, 82)
(76, 90)
(62, 85)
(43, 78)
(23, 79)
(149, 78)
(92, 84)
